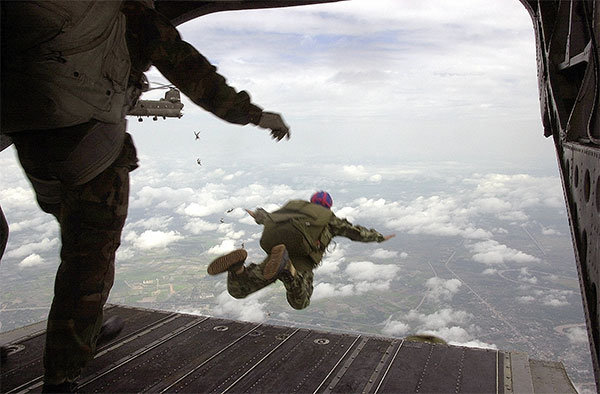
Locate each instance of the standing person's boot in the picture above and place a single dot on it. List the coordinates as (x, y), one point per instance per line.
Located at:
(111, 328)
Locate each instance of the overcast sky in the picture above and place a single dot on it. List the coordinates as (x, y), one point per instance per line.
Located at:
(370, 80)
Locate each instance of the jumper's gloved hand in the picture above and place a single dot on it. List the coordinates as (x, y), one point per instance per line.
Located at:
(273, 121)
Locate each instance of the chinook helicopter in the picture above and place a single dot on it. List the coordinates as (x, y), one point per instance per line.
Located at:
(169, 106)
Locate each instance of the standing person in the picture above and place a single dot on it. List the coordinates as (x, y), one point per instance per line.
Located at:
(295, 238)
(70, 72)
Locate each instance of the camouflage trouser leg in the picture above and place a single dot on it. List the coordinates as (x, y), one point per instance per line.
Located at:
(91, 218)
(298, 290)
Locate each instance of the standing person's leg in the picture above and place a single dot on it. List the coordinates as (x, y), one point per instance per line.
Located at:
(91, 219)
(91, 216)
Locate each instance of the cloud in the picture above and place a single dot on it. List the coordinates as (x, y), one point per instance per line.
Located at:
(550, 231)
(490, 271)
(380, 253)
(151, 239)
(444, 323)
(367, 271)
(32, 260)
(492, 252)
(439, 319)
(364, 276)
(151, 223)
(197, 226)
(330, 290)
(330, 265)
(17, 198)
(226, 246)
(395, 328)
(161, 197)
(525, 299)
(43, 246)
(525, 276)
(441, 289)
(555, 301)
(246, 309)
(577, 335)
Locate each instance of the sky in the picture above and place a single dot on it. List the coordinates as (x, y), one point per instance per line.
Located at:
(375, 80)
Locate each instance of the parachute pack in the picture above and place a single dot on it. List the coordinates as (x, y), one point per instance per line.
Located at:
(301, 226)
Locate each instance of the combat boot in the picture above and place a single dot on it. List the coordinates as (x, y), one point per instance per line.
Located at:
(232, 261)
(279, 264)
(111, 329)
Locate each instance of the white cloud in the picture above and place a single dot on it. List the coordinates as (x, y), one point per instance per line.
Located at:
(445, 323)
(17, 198)
(150, 239)
(151, 223)
(357, 172)
(226, 246)
(490, 271)
(161, 197)
(367, 271)
(555, 301)
(246, 309)
(377, 178)
(197, 226)
(492, 252)
(125, 254)
(439, 319)
(395, 328)
(525, 276)
(577, 335)
(43, 246)
(526, 299)
(550, 231)
(330, 265)
(441, 289)
(32, 260)
(329, 290)
(381, 253)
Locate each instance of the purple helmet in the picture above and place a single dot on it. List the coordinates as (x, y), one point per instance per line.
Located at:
(322, 198)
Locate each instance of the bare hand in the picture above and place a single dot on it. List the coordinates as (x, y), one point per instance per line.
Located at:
(385, 238)
(273, 121)
(251, 213)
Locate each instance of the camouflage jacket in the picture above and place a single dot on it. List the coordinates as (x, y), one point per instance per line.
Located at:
(344, 228)
(153, 40)
(338, 227)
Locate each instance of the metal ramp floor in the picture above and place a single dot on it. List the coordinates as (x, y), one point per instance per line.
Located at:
(172, 352)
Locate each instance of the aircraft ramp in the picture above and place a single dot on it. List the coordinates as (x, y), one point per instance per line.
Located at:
(172, 352)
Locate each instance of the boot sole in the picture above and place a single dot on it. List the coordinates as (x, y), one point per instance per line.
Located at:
(277, 261)
(223, 263)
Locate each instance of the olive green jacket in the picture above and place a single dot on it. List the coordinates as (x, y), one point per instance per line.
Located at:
(334, 226)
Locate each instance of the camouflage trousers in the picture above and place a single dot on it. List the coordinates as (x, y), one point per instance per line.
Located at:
(91, 217)
(298, 289)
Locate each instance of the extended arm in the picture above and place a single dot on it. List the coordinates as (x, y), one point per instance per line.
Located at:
(344, 228)
(153, 37)
(260, 215)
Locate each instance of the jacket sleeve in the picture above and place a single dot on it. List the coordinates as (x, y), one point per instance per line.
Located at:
(260, 216)
(344, 228)
(160, 42)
